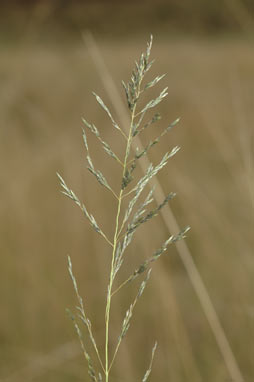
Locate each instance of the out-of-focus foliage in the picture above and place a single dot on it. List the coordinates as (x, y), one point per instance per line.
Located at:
(121, 18)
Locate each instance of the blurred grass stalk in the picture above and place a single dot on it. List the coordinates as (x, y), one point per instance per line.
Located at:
(169, 220)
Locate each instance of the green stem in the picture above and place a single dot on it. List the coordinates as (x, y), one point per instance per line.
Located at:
(109, 295)
(107, 314)
(116, 236)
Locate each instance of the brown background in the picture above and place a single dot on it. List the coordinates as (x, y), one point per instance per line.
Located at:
(47, 76)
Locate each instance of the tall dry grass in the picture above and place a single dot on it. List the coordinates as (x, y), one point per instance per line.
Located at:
(43, 94)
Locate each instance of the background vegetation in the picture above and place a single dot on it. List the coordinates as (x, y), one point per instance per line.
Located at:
(47, 76)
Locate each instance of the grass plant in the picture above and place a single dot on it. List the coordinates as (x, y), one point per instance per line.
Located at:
(132, 209)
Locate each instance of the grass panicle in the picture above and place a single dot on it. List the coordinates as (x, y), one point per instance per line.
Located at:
(131, 211)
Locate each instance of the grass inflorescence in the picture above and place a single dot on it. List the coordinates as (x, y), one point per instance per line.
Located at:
(131, 211)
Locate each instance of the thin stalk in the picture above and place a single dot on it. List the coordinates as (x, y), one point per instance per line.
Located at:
(119, 342)
(121, 286)
(116, 235)
(108, 305)
(107, 240)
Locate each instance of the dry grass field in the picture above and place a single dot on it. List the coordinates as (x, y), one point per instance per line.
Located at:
(45, 90)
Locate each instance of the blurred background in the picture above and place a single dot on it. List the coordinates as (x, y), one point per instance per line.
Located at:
(47, 75)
